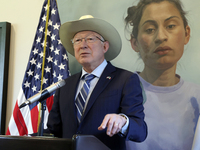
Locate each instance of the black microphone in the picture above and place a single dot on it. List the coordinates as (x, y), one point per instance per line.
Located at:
(43, 94)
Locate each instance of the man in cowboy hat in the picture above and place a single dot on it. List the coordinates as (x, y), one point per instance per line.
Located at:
(112, 110)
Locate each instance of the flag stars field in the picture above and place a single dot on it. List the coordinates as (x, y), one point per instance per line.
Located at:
(60, 77)
(44, 43)
(35, 51)
(41, 29)
(57, 51)
(38, 40)
(47, 69)
(36, 76)
(33, 61)
(59, 41)
(46, 7)
(44, 18)
(50, 59)
(27, 84)
(56, 26)
(53, 11)
(65, 57)
(51, 48)
(53, 37)
(34, 88)
(50, 23)
(61, 66)
(30, 73)
(55, 62)
(44, 81)
(48, 33)
(54, 74)
(39, 65)
(41, 54)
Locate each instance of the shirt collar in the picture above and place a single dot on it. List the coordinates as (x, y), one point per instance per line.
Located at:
(98, 71)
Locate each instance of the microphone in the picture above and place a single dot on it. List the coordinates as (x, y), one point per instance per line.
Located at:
(43, 94)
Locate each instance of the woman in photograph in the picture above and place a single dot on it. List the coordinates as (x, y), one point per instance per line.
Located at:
(159, 32)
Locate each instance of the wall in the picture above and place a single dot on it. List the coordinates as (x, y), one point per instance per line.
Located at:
(24, 16)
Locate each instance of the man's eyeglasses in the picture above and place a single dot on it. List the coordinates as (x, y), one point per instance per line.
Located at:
(88, 39)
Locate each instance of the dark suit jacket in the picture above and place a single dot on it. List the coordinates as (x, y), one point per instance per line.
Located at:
(121, 93)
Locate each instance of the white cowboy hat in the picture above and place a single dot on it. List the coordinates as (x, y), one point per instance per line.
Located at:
(89, 23)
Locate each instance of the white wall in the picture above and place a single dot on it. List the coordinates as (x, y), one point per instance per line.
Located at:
(24, 16)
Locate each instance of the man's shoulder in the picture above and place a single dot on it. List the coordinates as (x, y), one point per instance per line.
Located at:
(73, 77)
(123, 73)
(122, 70)
(118, 69)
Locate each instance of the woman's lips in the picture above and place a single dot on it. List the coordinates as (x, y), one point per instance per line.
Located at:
(162, 50)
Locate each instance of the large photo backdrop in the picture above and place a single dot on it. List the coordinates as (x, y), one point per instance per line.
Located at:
(114, 11)
(171, 104)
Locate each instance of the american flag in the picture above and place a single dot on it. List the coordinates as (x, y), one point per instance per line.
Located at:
(48, 63)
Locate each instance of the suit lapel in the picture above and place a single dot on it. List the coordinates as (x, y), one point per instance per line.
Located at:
(104, 80)
(73, 84)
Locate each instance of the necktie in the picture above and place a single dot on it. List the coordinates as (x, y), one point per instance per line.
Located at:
(82, 96)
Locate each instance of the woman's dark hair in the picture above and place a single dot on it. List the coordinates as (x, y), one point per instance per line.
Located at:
(135, 13)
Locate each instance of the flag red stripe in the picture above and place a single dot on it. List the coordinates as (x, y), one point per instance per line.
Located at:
(49, 102)
(19, 120)
(8, 131)
(34, 119)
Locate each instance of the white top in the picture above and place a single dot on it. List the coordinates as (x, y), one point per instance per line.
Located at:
(171, 114)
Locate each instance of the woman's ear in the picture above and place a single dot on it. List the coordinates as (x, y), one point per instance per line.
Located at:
(134, 44)
(187, 34)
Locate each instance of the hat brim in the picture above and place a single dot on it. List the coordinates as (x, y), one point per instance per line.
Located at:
(105, 29)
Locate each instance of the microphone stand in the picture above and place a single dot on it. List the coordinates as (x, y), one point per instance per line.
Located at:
(42, 100)
(41, 126)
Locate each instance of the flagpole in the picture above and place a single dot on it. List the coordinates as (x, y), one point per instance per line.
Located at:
(41, 107)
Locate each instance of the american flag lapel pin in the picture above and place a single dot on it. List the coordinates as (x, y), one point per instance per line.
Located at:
(108, 77)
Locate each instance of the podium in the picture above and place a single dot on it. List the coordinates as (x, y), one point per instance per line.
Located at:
(78, 142)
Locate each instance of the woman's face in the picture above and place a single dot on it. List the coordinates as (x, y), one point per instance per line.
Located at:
(161, 35)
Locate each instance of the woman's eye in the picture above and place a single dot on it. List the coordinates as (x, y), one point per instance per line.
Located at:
(149, 31)
(170, 26)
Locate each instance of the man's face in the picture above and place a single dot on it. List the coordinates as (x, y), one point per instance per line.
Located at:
(89, 53)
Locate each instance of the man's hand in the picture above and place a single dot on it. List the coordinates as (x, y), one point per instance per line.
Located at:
(113, 122)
